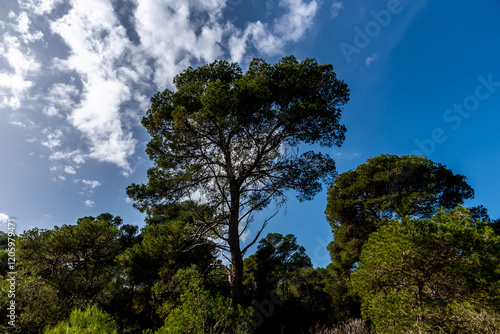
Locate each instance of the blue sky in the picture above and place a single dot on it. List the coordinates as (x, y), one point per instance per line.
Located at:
(76, 78)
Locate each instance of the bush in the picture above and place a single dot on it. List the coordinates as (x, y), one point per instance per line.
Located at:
(90, 321)
(199, 312)
(349, 326)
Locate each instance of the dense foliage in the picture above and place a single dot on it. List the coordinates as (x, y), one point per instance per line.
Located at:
(383, 189)
(437, 274)
(229, 141)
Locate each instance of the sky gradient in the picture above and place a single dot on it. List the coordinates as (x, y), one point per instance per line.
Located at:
(76, 78)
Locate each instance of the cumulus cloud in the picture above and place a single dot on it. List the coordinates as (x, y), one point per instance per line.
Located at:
(177, 33)
(111, 71)
(15, 82)
(53, 139)
(16, 52)
(271, 39)
(4, 219)
(89, 203)
(98, 43)
(40, 7)
(69, 170)
(91, 184)
(201, 34)
(23, 28)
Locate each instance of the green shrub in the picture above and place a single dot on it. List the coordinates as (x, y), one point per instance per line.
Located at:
(199, 312)
(90, 321)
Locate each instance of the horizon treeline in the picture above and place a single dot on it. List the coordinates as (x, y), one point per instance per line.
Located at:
(406, 256)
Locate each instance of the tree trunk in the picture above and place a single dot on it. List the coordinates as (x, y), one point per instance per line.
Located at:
(236, 274)
(234, 247)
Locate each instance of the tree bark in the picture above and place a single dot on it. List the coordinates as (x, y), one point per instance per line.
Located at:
(234, 246)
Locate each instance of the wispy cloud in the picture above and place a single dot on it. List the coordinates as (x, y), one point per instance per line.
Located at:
(18, 124)
(370, 59)
(60, 97)
(346, 156)
(89, 203)
(336, 7)
(75, 156)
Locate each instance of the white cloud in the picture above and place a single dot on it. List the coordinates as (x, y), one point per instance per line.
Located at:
(172, 36)
(98, 118)
(370, 59)
(290, 27)
(4, 218)
(98, 43)
(23, 28)
(18, 124)
(69, 170)
(108, 70)
(237, 46)
(299, 17)
(16, 79)
(76, 156)
(346, 156)
(337, 6)
(176, 34)
(53, 139)
(40, 7)
(12, 102)
(89, 203)
(91, 184)
(14, 84)
(60, 97)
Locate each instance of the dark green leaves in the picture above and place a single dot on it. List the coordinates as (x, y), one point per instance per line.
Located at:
(421, 274)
